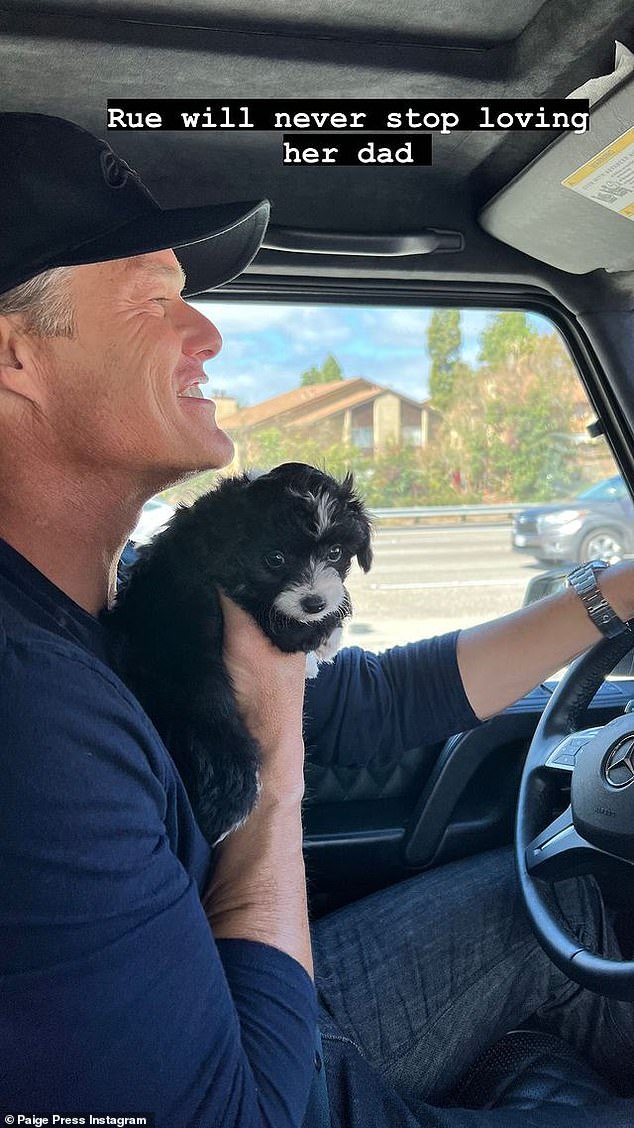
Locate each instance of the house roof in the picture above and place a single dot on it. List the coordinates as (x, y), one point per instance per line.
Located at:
(354, 398)
(311, 403)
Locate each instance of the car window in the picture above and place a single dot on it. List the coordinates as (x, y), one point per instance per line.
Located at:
(466, 430)
(612, 490)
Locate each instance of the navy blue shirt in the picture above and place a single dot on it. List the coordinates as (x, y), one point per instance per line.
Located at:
(114, 996)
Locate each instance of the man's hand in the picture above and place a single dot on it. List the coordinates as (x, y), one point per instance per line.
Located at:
(502, 660)
(269, 688)
(258, 887)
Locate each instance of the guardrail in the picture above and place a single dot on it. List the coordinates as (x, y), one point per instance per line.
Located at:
(457, 512)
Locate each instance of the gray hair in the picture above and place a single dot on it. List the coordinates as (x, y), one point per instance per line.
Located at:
(44, 303)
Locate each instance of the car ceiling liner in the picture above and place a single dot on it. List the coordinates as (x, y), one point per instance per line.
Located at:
(571, 206)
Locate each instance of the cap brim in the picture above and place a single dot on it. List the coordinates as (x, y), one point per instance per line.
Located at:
(215, 243)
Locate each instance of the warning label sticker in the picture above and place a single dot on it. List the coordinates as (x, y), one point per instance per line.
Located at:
(608, 178)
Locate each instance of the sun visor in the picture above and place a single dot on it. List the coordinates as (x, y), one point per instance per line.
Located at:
(573, 206)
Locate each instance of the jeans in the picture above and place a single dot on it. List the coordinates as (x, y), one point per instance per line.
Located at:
(417, 980)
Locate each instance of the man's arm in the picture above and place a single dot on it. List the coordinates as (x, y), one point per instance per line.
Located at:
(365, 705)
(258, 888)
(116, 993)
(502, 660)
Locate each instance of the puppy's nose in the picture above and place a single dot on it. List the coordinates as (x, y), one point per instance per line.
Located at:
(312, 604)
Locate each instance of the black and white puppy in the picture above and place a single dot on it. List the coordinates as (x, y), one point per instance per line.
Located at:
(280, 545)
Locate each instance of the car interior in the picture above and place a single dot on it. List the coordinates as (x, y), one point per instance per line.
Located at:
(488, 225)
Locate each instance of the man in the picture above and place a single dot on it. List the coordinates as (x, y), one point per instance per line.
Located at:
(136, 976)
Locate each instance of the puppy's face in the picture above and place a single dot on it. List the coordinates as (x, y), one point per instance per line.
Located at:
(306, 529)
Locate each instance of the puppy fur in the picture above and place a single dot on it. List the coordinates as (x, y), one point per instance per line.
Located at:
(280, 545)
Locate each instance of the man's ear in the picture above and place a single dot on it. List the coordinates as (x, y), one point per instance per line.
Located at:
(16, 357)
(8, 344)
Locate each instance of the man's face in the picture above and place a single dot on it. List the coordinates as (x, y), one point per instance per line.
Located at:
(113, 395)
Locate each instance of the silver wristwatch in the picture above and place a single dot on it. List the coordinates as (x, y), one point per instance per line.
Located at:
(584, 581)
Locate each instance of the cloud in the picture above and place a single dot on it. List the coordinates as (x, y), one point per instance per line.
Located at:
(397, 326)
(302, 326)
(314, 332)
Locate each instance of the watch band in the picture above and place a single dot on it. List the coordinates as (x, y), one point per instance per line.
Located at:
(583, 580)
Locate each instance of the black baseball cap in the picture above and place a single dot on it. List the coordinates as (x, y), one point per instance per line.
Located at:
(66, 199)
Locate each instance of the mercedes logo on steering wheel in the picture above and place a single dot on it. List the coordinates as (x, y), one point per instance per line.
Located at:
(619, 766)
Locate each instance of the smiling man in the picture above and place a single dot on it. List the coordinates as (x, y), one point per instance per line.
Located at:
(139, 973)
(136, 352)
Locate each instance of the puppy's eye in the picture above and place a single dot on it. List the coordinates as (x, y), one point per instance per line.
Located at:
(274, 560)
(335, 553)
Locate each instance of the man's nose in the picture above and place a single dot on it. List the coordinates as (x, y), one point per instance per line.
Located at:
(203, 338)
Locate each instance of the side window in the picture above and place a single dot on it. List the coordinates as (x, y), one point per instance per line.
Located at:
(467, 434)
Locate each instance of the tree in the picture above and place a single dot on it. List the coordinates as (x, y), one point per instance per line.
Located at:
(330, 371)
(507, 339)
(311, 376)
(510, 427)
(444, 342)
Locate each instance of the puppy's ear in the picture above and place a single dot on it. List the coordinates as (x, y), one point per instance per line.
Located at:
(364, 554)
(364, 526)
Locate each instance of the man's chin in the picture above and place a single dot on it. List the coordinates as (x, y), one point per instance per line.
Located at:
(211, 455)
(223, 452)
(199, 462)
(216, 460)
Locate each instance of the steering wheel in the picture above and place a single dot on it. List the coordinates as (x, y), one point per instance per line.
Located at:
(595, 834)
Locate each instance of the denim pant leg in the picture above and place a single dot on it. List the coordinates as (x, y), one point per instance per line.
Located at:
(424, 975)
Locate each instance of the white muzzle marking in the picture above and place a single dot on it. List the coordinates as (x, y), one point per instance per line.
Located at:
(324, 582)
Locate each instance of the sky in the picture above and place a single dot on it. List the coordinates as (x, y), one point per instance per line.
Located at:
(267, 346)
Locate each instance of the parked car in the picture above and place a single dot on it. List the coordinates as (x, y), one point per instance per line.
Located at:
(154, 515)
(596, 524)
